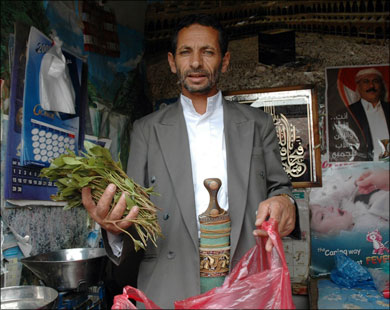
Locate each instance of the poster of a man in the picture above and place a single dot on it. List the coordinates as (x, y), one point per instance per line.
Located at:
(358, 123)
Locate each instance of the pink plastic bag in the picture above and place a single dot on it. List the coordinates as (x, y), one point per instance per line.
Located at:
(123, 302)
(260, 280)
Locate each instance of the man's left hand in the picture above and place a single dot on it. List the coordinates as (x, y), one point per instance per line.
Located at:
(282, 210)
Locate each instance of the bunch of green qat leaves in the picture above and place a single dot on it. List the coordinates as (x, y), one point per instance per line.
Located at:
(96, 169)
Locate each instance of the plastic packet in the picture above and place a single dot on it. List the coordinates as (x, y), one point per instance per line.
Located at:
(381, 281)
(56, 91)
(349, 273)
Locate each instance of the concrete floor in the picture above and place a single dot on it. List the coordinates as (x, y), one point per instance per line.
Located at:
(301, 301)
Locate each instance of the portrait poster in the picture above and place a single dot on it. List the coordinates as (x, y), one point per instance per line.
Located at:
(356, 128)
(350, 214)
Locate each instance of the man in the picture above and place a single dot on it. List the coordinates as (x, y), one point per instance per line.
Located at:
(176, 148)
(371, 113)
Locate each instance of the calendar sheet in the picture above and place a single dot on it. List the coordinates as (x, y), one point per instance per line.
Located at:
(48, 134)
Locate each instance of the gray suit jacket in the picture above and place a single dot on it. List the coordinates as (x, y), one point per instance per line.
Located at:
(160, 157)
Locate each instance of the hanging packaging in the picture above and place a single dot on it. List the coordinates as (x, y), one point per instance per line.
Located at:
(260, 280)
(56, 91)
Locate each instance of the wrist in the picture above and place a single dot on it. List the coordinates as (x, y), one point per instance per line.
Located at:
(289, 197)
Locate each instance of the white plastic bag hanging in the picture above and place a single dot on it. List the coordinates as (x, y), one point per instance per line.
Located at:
(56, 91)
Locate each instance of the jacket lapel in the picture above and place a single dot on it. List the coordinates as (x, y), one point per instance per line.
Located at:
(362, 120)
(173, 138)
(239, 132)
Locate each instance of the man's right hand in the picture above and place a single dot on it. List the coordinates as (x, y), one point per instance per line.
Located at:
(100, 212)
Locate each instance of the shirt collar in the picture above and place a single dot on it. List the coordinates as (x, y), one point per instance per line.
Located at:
(213, 103)
(368, 106)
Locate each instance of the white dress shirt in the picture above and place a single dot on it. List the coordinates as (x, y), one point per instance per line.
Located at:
(208, 156)
(378, 126)
(208, 150)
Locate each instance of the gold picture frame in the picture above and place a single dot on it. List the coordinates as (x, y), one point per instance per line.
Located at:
(294, 110)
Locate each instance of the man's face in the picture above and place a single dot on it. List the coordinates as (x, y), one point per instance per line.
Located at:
(198, 62)
(370, 87)
(328, 220)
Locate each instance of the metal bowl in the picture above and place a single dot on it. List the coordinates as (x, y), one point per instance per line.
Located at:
(71, 269)
(28, 297)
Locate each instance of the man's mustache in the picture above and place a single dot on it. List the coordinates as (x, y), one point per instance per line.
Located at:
(373, 89)
(201, 71)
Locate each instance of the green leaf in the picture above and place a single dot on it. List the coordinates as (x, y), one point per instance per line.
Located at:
(138, 245)
(65, 181)
(76, 177)
(71, 161)
(91, 161)
(150, 190)
(117, 196)
(129, 202)
(88, 145)
(140, 234)
(72, 204)
(78, 170)
(106, 154)
(58, 161)
(129, 184)
(69, 191)
(96, 150)
(70, 152)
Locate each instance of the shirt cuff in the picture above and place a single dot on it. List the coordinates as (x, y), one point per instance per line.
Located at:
(116, 243)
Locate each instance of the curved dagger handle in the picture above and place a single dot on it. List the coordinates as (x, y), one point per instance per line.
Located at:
(213, 185)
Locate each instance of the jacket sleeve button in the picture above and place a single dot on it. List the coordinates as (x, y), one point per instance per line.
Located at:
(166, 216)
(171, 255)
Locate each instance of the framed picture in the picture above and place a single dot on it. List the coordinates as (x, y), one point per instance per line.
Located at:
(295, 114)
(358, 118)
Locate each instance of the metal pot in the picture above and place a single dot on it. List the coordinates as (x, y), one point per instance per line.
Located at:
(70, 269)
(28, 297)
